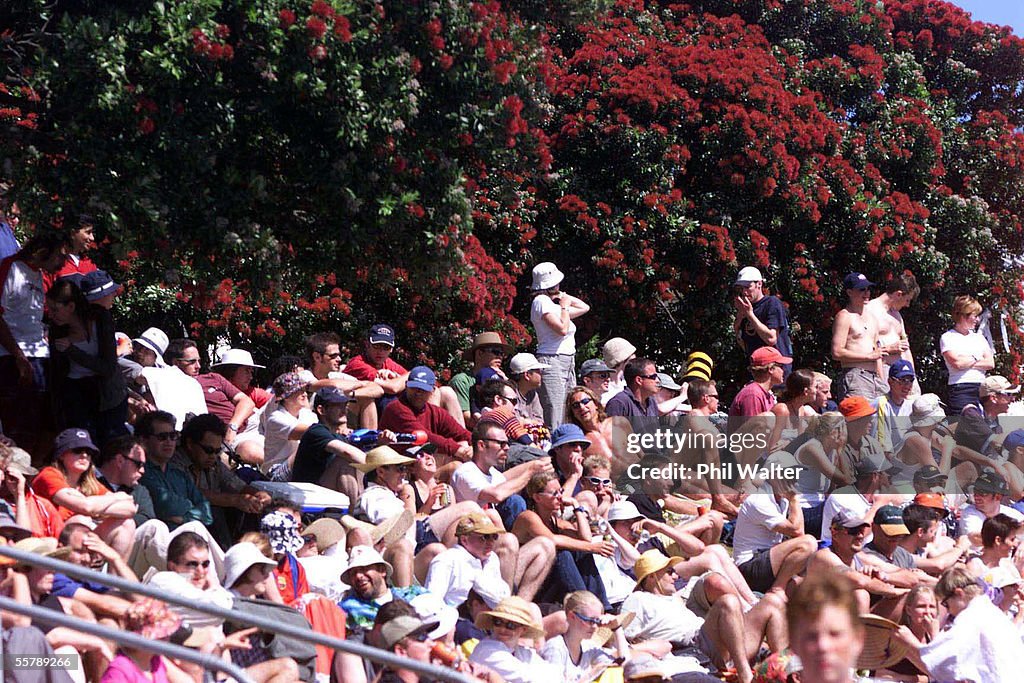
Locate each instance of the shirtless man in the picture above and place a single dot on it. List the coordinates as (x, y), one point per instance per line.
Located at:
(892, 333)
(855, 343)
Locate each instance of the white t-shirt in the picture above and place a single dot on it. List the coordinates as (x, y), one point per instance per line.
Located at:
(452, 572)
(468, 480)
(21, 305)
(849, 499)
(617, 583)
(556, 652)
(661, 617)
(521, 665)
(277, 425)
(549, 342)
(175, 392)
(758, 513)
(180, 586)
(971, 344)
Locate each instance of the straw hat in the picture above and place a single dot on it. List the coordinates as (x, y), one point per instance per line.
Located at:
(382, 455)
(47, 547)
(650, 562)
(513, 609)
(604, 633)
(390, 530)
(327, 532)
(486, 339)
(881, 650)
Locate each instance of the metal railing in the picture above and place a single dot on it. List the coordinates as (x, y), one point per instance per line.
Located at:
(263, 623)
(49, 616)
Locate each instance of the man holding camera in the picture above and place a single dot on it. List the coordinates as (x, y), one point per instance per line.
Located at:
(761, 320)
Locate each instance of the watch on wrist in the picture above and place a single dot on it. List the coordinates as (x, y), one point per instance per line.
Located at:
(233, 427)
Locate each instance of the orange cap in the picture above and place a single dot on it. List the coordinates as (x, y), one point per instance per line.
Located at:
(854, 407)
(930, 500)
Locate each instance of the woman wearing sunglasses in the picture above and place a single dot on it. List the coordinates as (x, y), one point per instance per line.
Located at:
(508, 624)
(574, 652)
(388, 493)
(607, 435)
(574, 567)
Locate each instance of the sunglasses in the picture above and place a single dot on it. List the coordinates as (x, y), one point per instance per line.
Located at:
(514, 400)
(582, 402)
(212, 450)
(598, 481)
(651, 376)
(195, 564)
(501, 443)
(420, 637)
(553, 494)
(309, 538)
(505, 623)
(139, 465)
(596, 621)
(166, 436)
(487, 538)
(493, 350)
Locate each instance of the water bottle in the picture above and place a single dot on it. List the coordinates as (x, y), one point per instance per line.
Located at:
(368, 438)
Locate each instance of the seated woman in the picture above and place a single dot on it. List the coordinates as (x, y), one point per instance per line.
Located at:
(816, 450)
(787, 423)
(607, 435)
(921, 617)
(284, 425)
(573, 652)
(1000, 537)
(574, 567)
(387, 495)
(506, 625)
(924, 444)
(70, 484)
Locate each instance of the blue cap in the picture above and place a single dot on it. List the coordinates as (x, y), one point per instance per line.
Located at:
(329, 395)
(485, 375)
(568, 433)
(382, 334)
(1013, 440)
(421, 377)
(857, 281)
(73, 439)
(98, 284)
(900, 369)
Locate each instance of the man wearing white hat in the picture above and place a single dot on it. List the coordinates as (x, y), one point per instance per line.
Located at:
(761, 319)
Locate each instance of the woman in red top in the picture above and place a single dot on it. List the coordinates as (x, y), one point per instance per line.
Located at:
(70, 484)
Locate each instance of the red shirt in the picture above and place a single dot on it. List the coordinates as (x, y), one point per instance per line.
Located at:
(50, 481)
(218, 393)
(292, 586)
(441, 428)
(84, 265)
(260, 397)
(44, 519)
(752, 400)
(361, 368)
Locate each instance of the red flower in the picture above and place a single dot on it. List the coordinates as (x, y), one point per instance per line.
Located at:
(286, 18)
(147, 126)
(316, 27)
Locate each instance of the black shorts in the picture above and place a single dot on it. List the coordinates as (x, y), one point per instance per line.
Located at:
(758, 571)
(424, 534)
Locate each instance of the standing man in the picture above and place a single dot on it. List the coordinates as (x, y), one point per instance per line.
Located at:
(24, 349)
(637, 399)
(761, 319)
(886, 307)
(855, 343)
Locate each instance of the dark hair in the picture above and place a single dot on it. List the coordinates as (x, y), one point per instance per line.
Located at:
(697, 389)
(202, 424)
(635, 368)
(283, 364)
(998, 526)
(41, 246)
(182, 543)
(66, 291)
(118, 445)
(176, 349)
(482, 429)
(144, 425)
(280, 503)
(798, 382)
(318, 343)
(490, 389)
(919, 517)
(905, 283)
(393, 610)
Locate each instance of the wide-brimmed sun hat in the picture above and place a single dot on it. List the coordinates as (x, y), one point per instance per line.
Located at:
(513, 609)
(380, 456)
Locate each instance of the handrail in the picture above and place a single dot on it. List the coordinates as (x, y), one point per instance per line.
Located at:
(351, 647)
(49, 616)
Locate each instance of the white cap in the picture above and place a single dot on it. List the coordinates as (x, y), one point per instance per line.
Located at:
(239, 558)
(237, 357)
(623, 509)
(545, 276)
(432, 609)
(524, 362)
(747, 275)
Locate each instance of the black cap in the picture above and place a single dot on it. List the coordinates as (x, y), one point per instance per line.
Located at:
(990, 482)
(930, 473)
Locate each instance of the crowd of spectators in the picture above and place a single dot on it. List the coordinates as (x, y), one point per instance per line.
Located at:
(528, 520)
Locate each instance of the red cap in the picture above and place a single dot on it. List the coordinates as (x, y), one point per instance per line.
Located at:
(854, 407)
(767, 355)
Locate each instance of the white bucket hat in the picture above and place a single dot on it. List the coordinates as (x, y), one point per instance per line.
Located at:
(365, 556)
(239, 558)
(237, 357)
(156, 341)
(617, 351)
(545, 276)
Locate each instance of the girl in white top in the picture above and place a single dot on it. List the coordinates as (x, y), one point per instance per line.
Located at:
(284, 425)
(552, 315)
(574, 652)
(967, 355)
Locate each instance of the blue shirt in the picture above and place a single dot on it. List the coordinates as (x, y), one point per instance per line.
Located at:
(175, 495)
